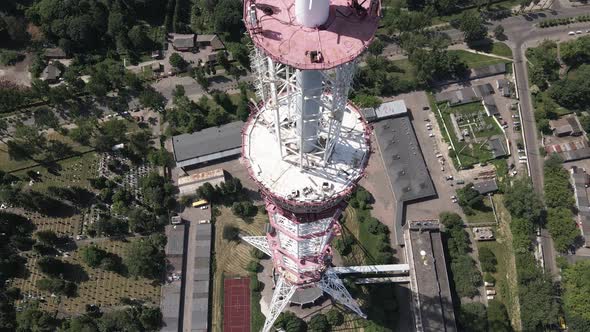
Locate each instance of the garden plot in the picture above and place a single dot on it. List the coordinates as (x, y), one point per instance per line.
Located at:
(469, 129)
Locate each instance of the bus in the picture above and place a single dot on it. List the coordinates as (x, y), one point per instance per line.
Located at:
(200, 203)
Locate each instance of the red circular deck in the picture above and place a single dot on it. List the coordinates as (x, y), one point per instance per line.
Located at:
(345, 35)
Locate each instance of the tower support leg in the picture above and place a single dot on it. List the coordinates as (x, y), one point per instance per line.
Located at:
(332, 285)
(280, 298)
(259, 242)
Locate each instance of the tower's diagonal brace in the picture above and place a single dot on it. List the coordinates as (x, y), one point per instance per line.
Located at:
(332, 285)
(259, 242)
(280, 298)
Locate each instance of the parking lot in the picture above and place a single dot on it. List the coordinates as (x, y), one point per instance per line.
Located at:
(440, 168)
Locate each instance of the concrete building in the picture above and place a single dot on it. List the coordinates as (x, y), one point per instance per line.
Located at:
(485, 71)
(432, 304)
(486, 187)
(580, 181)
(213, 41)
(567, 125)
(504, 87)
(496, 146)
(208, 145)
(171, 293)
(50, 74)
(183, 42)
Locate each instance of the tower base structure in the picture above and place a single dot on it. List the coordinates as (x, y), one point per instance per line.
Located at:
(284, 290)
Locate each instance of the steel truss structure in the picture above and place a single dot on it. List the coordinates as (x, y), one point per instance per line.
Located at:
(305, 145)
(277, 83)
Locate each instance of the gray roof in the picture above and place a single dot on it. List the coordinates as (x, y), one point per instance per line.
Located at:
(573, 155)
(369, 113)
(403, 159)
(51, 72)
(390, 109)
(176, 238)
(435, 310)
(499, 68)
(497, 147)
(486, 187)
(490, 105)
(483, 90)
(200, 278)
(184, 41)
(208, 144)
(457, 97)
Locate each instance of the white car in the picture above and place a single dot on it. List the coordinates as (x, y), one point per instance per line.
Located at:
(579, 32)
(571, 33)
(431, 134)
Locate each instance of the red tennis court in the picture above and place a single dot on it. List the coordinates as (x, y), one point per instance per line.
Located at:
(236, 305)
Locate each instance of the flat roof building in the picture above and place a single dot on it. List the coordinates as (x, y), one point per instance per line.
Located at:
(432, 304)
(566, 126)
(171, 295)
(486, 187)
(581, 181)
(485, 71)
(497, 147)
(208, 145)
(489, 104)
(391, 109)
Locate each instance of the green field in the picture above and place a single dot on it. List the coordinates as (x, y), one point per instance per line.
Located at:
(484, 215)
(501, 49)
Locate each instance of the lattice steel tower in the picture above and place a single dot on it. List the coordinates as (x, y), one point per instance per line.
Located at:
(305, 146)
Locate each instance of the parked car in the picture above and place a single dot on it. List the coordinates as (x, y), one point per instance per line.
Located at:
(579, 32)
(431, 134)
(425, 108)
(571, 33)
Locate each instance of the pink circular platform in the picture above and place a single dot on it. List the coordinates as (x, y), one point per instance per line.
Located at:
(346, 34)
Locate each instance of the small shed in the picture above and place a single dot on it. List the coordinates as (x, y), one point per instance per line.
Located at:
(486, 187)
(183, 42)
(50, 74)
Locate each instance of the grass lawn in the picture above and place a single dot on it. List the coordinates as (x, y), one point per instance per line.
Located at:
(501, 49)
(506, 280)
(72, 172)
(103, 288)
(8, 164)
(476, 60)
(469, 153)
(483, 215)
(231, 265)
(406, 69)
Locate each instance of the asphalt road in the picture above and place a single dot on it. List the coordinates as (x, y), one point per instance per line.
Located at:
(522, 33)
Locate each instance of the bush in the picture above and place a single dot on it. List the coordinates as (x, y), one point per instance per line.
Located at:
(253, 266)
(57, 286)
(488, 277)
(319, 323)
(335, 317)
(92, 255)
(255, 284)
(488, 260)
(257, 254)
(231, 233)
(473, 317)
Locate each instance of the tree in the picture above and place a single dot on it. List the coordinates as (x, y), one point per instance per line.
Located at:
(563, 229)
(488, 260)
(576, 284)
(138, 36)
(244, 209)
(93, 255)
(499, 31)
(47, 237)
(522, 201)
(178, 62)
(473, 27)
(33, 319)
(45, 118)
(227, 18)
(473, 317)
(51, 266)
(335, 317)
(151, 98)
(161, 157)
(376, 47)
(57, 286)
(146, 257)
(319, 323)
(223, 61)
(469, 197)
(151, 318)
(199, 76)
(289, 322)
(498, 320)
(231, 233)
